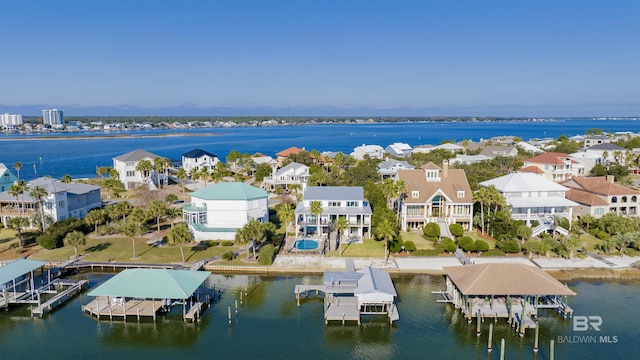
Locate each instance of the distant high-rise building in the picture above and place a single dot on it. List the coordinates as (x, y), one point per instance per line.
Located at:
(52, 117)
(7, 119)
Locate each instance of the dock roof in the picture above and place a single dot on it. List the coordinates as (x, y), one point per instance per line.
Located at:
(17, 268)
(152, 284)
(504, 279)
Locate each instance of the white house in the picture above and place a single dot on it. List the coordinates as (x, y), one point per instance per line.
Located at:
(555, 166)
(399, 149)
(198, 159)
(64, 200)
(218, 211)
(608, 152)
(335, 201)
(455, 148)
(126, 166)
(389, 169)
(533, 198)
(587, 160)
(293, 173)
(374, 152)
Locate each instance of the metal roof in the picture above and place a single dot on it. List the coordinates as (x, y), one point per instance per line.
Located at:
(136, 155)
(17, 268)
(230, 191)
(152, 284)
(197, 153)
(318, 193)
(504, 279)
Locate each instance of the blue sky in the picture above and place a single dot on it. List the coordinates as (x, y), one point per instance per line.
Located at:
(273, 57)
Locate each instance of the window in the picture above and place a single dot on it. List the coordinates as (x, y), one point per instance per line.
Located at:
(598, 211)
(334, 204)
(460, 193)
(352, 203)
(61, 204)
(130, 164)
(624, 199)
(614, 199)
(413, 210)
(415, 194)
(634, 199)
(131, 173)
(614, 210)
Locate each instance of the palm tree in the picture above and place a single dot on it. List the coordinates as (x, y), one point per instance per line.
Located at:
(39, 193)
(15, 191)
(95, 217)
(286, 215)
(341, 225)
(75, 238)
(22, 187)
(18, 223)
(157, 209)
(173, 213)
(480, 196)
(182, 175)
(316, 210)
(66, 179)
(399, 189)
(158, 166)
(194, 175)
(166, 165)
(123, 208)
(17, 165)
(205, 175)
(179, 235)
(145, 166)
(132, 229)
(571, 243)
(386, 230)
(250, 232)
(171, 198)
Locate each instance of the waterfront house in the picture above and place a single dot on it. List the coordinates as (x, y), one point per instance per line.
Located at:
(292, 174)
(372, 151)
(467, 159)
(531, 198)
(556, 166)
(586, 160)
(608, 153)
(591, 140)
(389, 169)
(434, 194)
(529, 147)
(497, 150)
(335, 202)
(64, 200)
(600, 195)
(198, 159)
(126, 164)
(218, 211)
(284, 154)
(398, 150)
(454, 148)
(6, 178)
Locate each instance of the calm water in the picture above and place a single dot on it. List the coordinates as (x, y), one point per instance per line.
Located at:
(80, 157)
(270, 326)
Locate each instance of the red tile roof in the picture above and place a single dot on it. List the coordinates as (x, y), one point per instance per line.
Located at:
(532, 169)
(289, 151)
(550, 158)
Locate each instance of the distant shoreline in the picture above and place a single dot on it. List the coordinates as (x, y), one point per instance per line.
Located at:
(117, 136)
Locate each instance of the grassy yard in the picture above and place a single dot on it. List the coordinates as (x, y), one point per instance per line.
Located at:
(418, 239)
(369, 248)
(476, 236)
(120, 249)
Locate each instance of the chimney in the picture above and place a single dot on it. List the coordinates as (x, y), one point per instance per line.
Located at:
(610, 179)
(445, 168)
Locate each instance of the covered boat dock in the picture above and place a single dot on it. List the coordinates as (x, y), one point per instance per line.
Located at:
(505, 290)
(144, 292)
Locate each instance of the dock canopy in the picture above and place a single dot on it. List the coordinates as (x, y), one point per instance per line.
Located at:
(152, 284)
(375, 287)
(18, 268)
(503, 279)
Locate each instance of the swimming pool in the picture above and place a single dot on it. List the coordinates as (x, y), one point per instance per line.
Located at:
(305, 244)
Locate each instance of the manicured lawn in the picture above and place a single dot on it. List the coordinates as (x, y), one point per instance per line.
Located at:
(476, 236)
(418, 239)
(369, 248)
(590, 241)
(120, 249)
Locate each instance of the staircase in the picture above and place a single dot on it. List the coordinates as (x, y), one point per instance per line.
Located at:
(444, 230)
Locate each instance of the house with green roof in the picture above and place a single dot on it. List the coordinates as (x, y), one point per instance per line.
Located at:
(218, 211)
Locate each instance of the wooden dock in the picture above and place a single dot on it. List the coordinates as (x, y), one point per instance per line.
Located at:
(103, 306)
(341, 308)
(75, 286)
(194, 312)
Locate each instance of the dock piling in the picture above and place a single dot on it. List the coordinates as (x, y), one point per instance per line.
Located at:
(229, 313)
(478, 324)
(236, 307)
(502, 349)
(535, 343)
(489, 345)
(551, 349)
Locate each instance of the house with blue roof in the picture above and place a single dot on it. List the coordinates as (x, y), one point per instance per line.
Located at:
(6, 178)
(218, 211)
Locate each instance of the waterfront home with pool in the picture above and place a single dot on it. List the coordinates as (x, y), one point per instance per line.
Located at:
(219, 210)
(335, 202)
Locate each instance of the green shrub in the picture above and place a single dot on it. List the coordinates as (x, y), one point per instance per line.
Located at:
(55, 233)
(214, 243)
(493, 252)
(106, 230)
(509, 246)
(480, 246)
(432, 238)
(448, 245)
(229, 255)
(227, 243)
(431, 230)
(456, 230)
(410, 246)
(466, 243)
(396, 246)
(425, 253)
(534, 223)
(265, 257)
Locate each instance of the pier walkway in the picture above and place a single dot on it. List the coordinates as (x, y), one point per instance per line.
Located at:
(75, 286)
